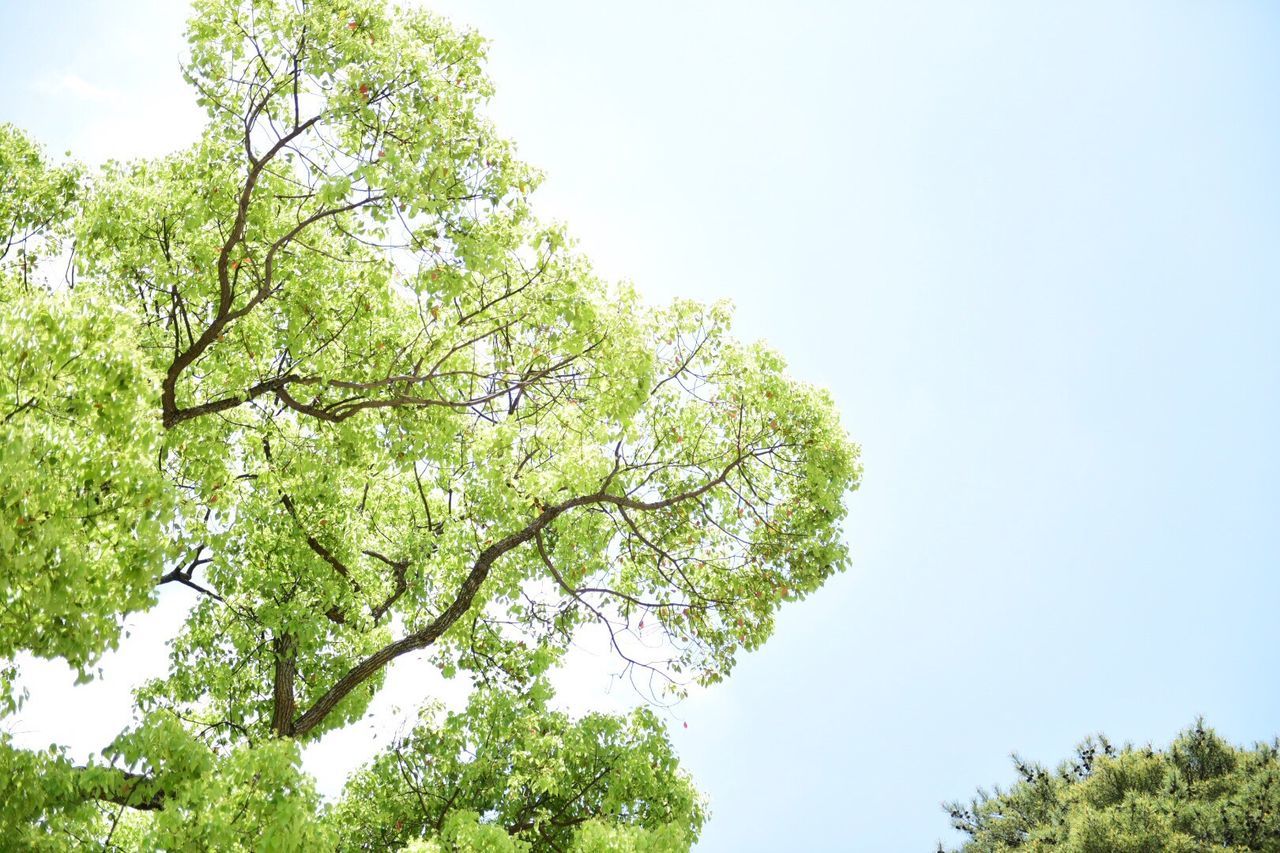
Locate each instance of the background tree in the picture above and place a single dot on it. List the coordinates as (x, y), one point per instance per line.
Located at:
(1200, 793)
(325, 371)
(34, 196)
(511, 759)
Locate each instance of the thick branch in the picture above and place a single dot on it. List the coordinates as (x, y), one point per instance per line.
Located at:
(317, 546)
(398, 568)
(366, 669)
(283, 703)
(183, 574)
(254, 391)
(168, 388)
(340, 410)
(423, 638)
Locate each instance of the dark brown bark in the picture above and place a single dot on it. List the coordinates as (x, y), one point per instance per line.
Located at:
(368, 667)
(284, 706)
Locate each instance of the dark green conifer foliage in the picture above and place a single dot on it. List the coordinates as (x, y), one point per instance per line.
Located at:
(1199, 794)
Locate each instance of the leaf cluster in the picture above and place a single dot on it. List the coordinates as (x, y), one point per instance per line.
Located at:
(1200, 793)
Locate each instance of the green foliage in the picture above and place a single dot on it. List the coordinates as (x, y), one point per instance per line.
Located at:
(34, 198)
(44, 805)
(250, 798)
(539, 779)
(84, 510)
(1199, 794)
(323, 375)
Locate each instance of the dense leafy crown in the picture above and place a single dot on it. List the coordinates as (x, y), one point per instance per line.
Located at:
(1199, 794)
(325, 374)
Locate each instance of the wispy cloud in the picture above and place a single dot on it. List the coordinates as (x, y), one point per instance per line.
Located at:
(121, 120)
(71, 84)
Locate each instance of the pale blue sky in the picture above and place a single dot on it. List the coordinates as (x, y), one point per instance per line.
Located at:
(1034, 250)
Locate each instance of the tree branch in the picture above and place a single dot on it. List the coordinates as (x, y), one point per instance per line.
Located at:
(122, 787)
(423, 638)
(168, 388)
(284, 705)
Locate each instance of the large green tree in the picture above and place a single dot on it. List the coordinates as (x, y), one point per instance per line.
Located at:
(323, 373)
(1199, 794)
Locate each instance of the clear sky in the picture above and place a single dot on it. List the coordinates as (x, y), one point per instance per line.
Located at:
(1034, 250)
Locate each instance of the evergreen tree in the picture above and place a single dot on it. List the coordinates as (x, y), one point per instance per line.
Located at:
(1199, 794)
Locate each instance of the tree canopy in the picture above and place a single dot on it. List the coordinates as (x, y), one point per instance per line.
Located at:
(1201, 793)
(325, 373)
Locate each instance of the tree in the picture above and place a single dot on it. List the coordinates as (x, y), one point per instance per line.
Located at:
(1200, 793)
(324, 373)
(524, 761)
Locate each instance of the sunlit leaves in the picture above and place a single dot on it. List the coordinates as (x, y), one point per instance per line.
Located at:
(83, 503)
(513, 771)
(35, 201)
(325, 373)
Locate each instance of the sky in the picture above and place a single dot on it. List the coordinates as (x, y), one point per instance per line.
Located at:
(1033, 249)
